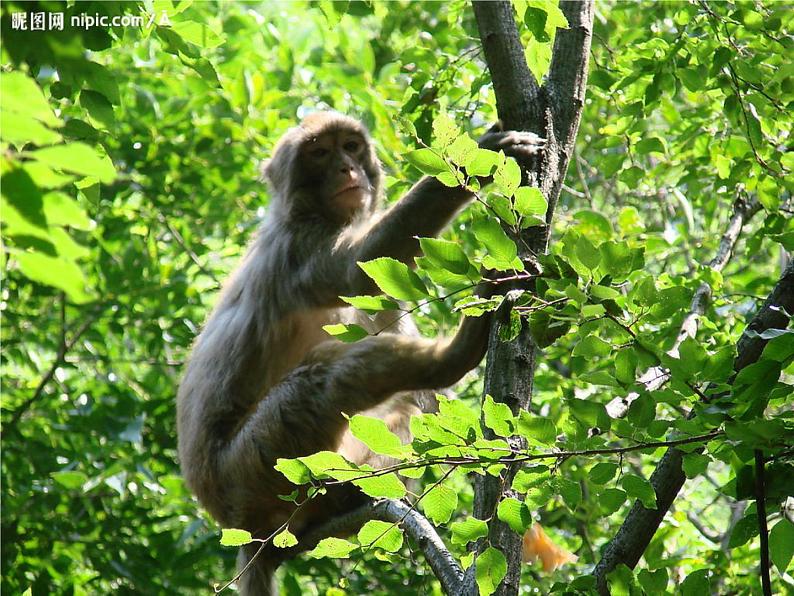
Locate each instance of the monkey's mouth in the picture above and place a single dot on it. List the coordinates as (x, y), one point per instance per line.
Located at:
(348, 188)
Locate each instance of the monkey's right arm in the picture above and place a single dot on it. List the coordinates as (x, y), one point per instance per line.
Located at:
(424, 212)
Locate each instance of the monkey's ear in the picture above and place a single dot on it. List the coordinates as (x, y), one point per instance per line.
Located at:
(264, 170)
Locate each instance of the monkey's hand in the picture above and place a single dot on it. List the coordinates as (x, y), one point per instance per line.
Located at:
(515, 143)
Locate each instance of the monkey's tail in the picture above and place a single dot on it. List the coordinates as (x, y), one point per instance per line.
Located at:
(537, 545)
(259, 578)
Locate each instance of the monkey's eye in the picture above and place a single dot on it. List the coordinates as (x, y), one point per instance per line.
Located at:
(351, 146)
(319, 152)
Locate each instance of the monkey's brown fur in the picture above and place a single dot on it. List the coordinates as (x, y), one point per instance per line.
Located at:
(264, 380)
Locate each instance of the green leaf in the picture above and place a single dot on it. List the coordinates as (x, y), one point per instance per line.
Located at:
(446, 254)
(611, 499)
(642, 411)
(594, 225)
(536, 429)
(590, 311)
(330, 464)
(571, 492)
(621, 582)
(619, 260)
(592, 347)
(508, 176)
(629, 222)
(395, 279)
(604, 293)
(335, 548)
(199, 34)
(58, 272)
(44, 177)
(509, 331)
(498, 417)
(781, 544)
(381, 534)
(387, 486)
(538, 57)
(491, 568)
(234, 537)
(101, 79)
(22, 95)
(71, 479)
(535, 20)
(25, 197)
(19, 130)
(744, 530)
(626, 366)
(374, 433)
(61, 209)
(294, 470)
(555, 18)
(468, 530)
(602, 472)
(531, 477)
(502, 208)
(695, 464)
(696, 583)
(427, 161)
(515, 514)
(587, 254)
(462, 151)
(329, 10)
(370, 304)
(99, 109)
(500, 248)
(651, 145)
(693, 356)
(639, 488)
(444, 130)
(529, 202)
(589, 413)
(439, 504)
(284, 539)
(482, 162)
(78, 158)
(653, 582)
(347, 333)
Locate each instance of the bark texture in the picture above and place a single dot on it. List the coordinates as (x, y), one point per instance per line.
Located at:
(552, 110)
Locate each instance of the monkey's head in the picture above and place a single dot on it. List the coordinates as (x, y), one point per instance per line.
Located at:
(325, 166)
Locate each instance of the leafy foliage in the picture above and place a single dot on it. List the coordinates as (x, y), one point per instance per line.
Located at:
(129, 189)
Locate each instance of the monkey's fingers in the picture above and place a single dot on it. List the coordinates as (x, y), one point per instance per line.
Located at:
(513, 142)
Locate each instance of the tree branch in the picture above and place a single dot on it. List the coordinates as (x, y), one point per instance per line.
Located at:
(763, 531)
(656, 376)
(413, 523)
(518, 96)
(638, 528)
(60, 358)
(523, 105)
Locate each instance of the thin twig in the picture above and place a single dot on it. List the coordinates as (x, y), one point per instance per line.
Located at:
(763, 531)
(64, 347)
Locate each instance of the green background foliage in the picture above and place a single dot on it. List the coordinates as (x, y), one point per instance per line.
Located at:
(130, 188)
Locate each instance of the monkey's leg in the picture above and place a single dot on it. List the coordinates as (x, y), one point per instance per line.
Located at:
(303, 414)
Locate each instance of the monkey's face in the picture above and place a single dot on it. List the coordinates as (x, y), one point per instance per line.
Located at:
(334, 163)
(326, 166)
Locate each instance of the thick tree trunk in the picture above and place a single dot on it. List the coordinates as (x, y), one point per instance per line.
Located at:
(552, 111)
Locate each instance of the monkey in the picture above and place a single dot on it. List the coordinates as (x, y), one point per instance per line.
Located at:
(264, 381)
